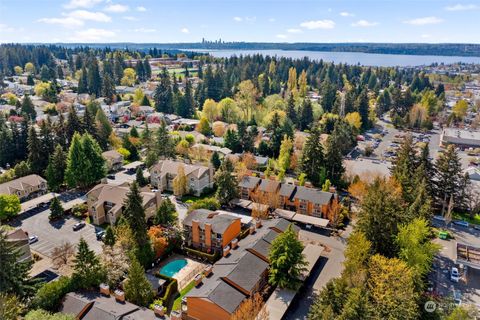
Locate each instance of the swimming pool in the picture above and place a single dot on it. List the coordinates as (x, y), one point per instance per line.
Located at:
(171, 268)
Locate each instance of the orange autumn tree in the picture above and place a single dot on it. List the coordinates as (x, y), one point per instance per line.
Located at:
(159, 240)
(251, 308)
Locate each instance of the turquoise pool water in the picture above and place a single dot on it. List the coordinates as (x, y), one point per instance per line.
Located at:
(171, 268)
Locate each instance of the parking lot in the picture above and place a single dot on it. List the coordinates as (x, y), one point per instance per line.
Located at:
(469, 284)
(53, 234)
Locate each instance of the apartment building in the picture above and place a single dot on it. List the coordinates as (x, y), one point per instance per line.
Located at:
(25, 188)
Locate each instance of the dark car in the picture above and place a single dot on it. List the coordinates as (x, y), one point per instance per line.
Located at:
(100, 235)
(78, 226)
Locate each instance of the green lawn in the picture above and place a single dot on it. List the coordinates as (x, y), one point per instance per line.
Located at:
(467, 217)
(178, 302)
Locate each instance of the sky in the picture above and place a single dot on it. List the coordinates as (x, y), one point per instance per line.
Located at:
(161, 21)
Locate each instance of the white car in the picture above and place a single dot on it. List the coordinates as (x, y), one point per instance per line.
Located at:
(32, 239)
(454, 274)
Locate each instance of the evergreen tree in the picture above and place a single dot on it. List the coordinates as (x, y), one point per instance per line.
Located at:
(141, 180)
(127, 144)
(83, 82)
(164, 145)
(215, 160)
(103, 128)
(30, 81)
(108, 89)
(361, 105)
(227, 184)
(95, 161)
(286, 260)
(35, 158)
(28, 108)
(291, 112)
(188, 102)
(138, 289)
(166, 214)
(89, 122)
(163, 94)
(47, 143)
(109, 236)
(306, 115)
(56, 169)
(14, 274)
(73, 124)
(334, 161)
(88, 272)
(403, 169)
(56, 209)
(77, 165)
(134, 215)
(312, 162)
(448, 178)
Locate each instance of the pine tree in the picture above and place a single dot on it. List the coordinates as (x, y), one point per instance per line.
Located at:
(448, 177)
(35, 159)
(312, 162)
(166, 214)
(83, 82)
(89, 122)
(134, 215)
(103, 128)
(286, 260)
(47, 143)
(361, 105)
(215, 160)
(291, 112)
(141, 180)
(227, 184)
(73, 124)
(189, 104)
(56, 169)
(138, 289)
(77, 165)
(306, 115)
(163, 94)
(95, 161)
(164, 145)
(88, 272)
(28, 108)
(14, 274)
(108, 89)
(127, 144)
(334, 161)
(109, 236)
(403, 169)
(56, 209)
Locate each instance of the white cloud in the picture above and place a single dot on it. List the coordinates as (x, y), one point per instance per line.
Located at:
(92, 34)
(462, 7)
(364, 24)
(318, 24)
(281, 36)
(425, 36)
(294, 30)
(67, 22)
(116, 8)
(5, 28)
(272, 20)
(144, 30)
(141, 9)
(184, 30)
(423, 21)
(130, 18)
(251, 19)
(346, 14)
(73, 4)
(237, 19)
(89, 15)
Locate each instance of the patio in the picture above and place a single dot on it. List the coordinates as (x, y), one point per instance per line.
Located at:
(186, 274)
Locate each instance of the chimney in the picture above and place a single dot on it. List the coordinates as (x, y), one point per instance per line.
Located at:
(226, 251)
(198, 279)
(208, 270)
(159, 310)
(105, 289)
(234, 243)
(258, 223)
(208, 235)
(119, 295)
(252, 229)
(195, 232)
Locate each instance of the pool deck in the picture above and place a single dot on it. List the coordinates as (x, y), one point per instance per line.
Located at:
(187, 273)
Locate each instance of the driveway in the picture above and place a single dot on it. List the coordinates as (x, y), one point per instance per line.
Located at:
(53, 234)
(329, 266)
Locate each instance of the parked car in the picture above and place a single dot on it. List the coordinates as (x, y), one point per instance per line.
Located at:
(32, 239)
(454, 275)
(457, 298)
(100, 235)
(461, 223)
(78, 226)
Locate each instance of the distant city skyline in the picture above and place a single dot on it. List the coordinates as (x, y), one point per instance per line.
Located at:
(96, 21)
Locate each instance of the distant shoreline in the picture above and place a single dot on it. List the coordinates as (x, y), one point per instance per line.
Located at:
(434, 49)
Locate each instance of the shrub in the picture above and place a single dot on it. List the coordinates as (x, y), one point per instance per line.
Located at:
(207, 203)
(211, 257)
(48, 297)
(79, 210)
(170, 291)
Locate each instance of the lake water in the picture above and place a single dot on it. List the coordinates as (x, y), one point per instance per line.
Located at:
(366, 59)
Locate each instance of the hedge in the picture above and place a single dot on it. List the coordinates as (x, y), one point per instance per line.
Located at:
(200, 254)
(172, 288)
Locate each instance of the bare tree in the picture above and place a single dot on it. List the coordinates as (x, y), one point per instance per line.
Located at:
(62, 253)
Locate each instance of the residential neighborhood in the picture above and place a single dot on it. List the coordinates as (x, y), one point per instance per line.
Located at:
(215, 182)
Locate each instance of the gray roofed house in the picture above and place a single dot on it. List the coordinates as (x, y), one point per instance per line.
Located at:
(219, 222)
(247, 186)
(313, 195)
(18, 240)
(236, 276)
(25, 188)
(94, 306)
